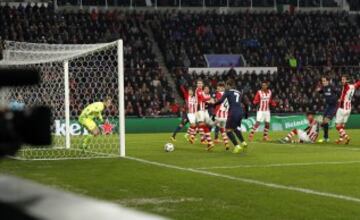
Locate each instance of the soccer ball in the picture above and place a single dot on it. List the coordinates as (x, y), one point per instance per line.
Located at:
(169, 147)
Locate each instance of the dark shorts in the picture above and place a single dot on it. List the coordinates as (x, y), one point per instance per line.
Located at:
(330, 111)
(234, 120)
(184, 119)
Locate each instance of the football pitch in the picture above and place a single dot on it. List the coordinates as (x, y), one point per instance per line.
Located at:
(270, 181)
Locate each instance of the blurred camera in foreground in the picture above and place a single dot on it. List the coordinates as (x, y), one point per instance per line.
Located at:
(30, 126)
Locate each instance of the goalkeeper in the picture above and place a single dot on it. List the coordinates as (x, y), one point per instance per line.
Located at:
(87, 116)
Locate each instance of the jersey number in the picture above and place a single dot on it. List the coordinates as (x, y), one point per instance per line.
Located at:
(237, 96)
(225, 104)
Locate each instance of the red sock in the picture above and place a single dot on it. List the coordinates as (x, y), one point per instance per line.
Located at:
(292, 134)
(342, 132)
(201, 132)
(224, 136)
(266, 129)
(254, 128)
(207, 134)
(192, 130)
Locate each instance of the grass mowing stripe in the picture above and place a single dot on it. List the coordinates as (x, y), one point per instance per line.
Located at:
(250, 181)
(281, 165)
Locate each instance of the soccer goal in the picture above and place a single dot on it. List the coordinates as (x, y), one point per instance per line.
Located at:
(72, 77)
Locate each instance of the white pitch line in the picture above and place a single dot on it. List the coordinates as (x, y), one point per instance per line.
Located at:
(281, 165)
(342, 147)
(250, 181)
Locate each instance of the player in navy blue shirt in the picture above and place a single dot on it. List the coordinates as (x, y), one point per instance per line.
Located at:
(331, 97)
(235, 115)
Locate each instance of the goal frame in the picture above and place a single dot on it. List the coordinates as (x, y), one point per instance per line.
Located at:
(65, 64)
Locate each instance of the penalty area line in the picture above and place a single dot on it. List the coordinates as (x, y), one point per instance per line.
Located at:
(250, 181)
(280, 165)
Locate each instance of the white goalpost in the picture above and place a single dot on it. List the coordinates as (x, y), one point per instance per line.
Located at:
(72, 77)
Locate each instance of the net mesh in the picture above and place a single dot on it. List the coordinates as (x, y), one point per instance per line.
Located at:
(93, 77)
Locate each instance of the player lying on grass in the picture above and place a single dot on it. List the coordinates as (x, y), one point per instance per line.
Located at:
(344, 110)
(263, 101)
(188, 114)
(309, 135)
(89, 114)
(235, 115)
(330, 94)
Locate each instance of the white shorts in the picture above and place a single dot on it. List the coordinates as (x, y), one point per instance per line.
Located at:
(263, 116)
(208, 120)
(303, 136)
(342, 116)
(200, 116)
(192, 118)
(221, 122)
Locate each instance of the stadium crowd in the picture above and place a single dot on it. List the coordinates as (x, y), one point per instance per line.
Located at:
(43, 25)
(326, 38)
(312, 39)
(147, 93)
(144, 92)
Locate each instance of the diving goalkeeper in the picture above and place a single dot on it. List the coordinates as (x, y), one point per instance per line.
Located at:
(91, 112)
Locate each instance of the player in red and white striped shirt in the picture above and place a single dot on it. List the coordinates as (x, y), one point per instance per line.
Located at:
(202, 96)
(263, 99)
(221, 113)
(189, 114)
(309, 135)
(344, 110)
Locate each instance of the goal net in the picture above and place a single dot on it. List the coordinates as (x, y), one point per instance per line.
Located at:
(72, 77)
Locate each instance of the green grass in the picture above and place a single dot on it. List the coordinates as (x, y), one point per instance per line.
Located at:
(182, 194)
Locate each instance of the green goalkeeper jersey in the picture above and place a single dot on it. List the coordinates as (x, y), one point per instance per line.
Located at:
(93, 110)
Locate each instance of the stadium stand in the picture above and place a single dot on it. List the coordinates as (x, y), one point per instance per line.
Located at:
(327, 38)
(43, 25)
(147, 93)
